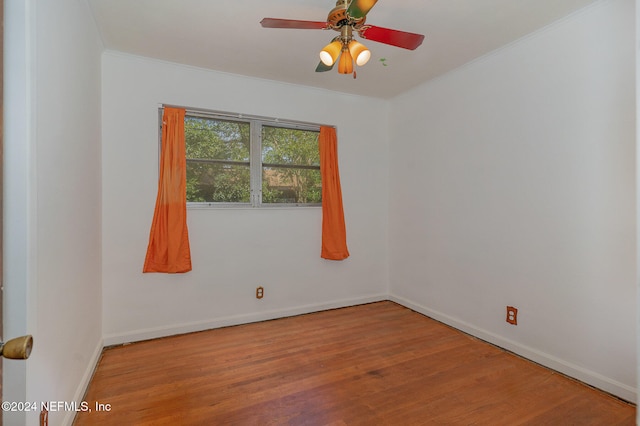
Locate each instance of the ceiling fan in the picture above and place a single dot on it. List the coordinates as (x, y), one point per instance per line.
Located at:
(347, 17)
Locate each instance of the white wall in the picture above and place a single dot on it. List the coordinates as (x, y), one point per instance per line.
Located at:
(513, 183)
(52, 200)
(637, 93)
(233, 250)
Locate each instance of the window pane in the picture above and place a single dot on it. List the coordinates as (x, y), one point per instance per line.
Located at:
(217, 183)
(291, 166)
(291, 185)
(217, 160)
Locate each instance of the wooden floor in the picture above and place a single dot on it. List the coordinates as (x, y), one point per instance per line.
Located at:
(375, 364)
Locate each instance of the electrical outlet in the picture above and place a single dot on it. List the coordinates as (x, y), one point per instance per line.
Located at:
(512, 315)
(259, 293)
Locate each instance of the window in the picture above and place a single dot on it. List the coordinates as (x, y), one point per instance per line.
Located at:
(258, 162)
(218, 160)
(290, 166)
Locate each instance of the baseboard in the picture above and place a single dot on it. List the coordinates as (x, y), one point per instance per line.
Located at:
(170, 330)
(84, 383)
(592, 378)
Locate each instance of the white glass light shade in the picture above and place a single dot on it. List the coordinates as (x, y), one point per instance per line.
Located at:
(330, 53)
(359, 53)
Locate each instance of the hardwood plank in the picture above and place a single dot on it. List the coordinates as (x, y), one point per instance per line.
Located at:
(378, 364)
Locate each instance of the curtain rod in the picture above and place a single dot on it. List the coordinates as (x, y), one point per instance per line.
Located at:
(245, 116)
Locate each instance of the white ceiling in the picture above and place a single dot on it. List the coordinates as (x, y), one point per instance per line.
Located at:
(227, 36)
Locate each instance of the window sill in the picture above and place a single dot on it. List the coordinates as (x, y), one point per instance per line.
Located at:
(247, 206)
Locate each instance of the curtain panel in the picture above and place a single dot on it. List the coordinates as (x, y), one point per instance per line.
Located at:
(168, 250)
(334, 234)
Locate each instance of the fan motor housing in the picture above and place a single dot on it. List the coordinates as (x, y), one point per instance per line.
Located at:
(338, 17)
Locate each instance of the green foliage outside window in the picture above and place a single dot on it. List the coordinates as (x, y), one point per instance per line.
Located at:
(282, 150)
(219, 163)
(227, 178)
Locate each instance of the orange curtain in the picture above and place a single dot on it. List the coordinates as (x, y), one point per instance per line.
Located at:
(168, 249)
(334, 234)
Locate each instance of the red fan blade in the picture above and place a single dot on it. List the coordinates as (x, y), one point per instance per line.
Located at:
(359, 8)
(292, 23)
(393, 37)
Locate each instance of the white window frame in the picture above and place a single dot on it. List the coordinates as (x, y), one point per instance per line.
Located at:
(255, 153)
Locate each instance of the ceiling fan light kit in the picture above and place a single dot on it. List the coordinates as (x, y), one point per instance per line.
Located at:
(349, 16)
(351, 50)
